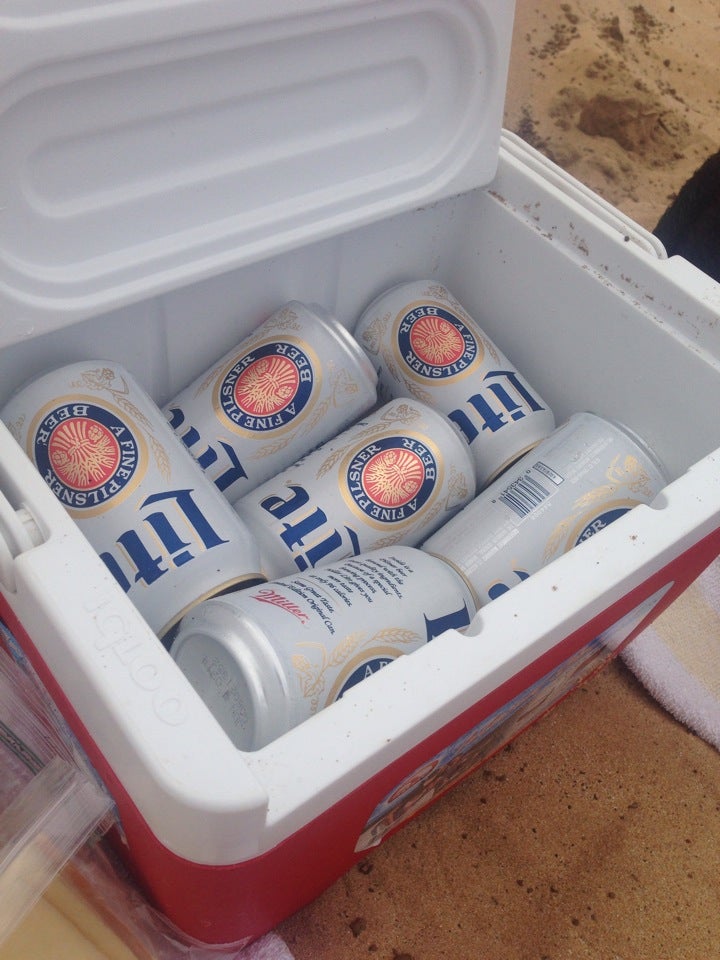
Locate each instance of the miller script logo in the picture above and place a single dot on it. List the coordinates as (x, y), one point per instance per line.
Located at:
(267, 388)
(392, 478)
(87, 455)
(435, 344)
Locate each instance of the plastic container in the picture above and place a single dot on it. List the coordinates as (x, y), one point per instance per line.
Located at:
(172, 173)
(50, 801)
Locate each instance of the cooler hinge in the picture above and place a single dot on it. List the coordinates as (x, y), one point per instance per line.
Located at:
(18, 532)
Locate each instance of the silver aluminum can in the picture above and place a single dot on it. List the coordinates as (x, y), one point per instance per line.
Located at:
(296, 381)
(393, 477)
(266, 658)
(587, 474)
(424, 344)
(108, 454)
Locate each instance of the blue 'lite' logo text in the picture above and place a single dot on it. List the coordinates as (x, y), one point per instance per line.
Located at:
(176, 525)
(301, 530)
(503, 399)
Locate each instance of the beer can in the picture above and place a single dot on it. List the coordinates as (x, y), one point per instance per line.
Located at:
(585, 475)
(424, 344)
(393, 477)
(266, 658)
(106, 451)
(299, 379)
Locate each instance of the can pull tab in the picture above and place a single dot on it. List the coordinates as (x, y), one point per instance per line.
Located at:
(18, 532)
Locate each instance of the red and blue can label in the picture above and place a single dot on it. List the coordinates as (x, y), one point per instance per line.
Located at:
(268, 388)
(435, 343)
(390, 479)
(88, 455)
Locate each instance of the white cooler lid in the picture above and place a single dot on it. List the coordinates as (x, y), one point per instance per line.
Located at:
(150, 144)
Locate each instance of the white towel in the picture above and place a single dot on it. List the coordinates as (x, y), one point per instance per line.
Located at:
(269, 947)
(677, 658)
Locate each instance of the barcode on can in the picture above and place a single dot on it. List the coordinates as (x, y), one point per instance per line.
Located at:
(524, 495)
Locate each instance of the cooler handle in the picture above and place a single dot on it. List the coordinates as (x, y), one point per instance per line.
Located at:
(579, 193)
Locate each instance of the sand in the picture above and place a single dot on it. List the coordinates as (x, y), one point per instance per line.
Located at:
(624, 96)
(596, 834)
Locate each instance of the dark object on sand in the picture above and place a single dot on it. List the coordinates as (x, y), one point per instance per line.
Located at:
(690, 226)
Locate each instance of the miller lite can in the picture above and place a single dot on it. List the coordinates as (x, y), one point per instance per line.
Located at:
(104, 448)
(424, 344)
(391, 478)
(299, 379)
(585, 475)
(266, 658)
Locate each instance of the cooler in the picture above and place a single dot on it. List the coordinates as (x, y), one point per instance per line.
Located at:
(174, 172)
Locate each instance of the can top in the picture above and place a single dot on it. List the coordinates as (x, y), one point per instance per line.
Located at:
(639, 442)
(346, 341)
(132, 132)
(231, 663)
